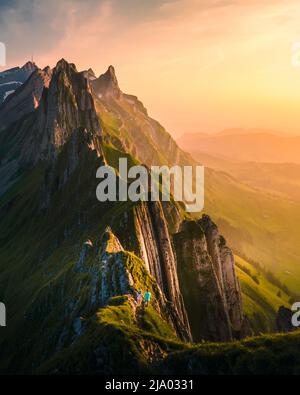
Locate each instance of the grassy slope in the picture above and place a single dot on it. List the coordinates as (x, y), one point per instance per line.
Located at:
(39, 250)
(38, 253)
(258, 211)
(228, 200)
(148, 345)
(135, 342)
(261, 302)
(268, 354)
(260, 297)
(43, 250)
(257, 225)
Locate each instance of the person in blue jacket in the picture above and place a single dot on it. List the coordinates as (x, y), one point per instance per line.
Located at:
(147, 298)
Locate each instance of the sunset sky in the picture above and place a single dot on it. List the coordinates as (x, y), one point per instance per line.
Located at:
(197, 65)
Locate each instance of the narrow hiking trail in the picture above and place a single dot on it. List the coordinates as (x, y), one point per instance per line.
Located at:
(139, 313)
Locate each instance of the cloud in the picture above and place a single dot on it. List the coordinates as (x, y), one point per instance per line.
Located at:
(38, 26)
(186, 59)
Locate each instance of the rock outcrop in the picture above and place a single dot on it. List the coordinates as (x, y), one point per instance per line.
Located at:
(66, 106)
(59, 108)
(109, 275)
(209, 285)
(223, 260)
(116, 272)
(106, 86)
(196, 273)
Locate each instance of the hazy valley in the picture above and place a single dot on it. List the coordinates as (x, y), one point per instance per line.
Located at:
(70, 266)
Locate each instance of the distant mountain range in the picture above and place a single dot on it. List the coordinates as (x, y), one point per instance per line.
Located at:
(246, 145)
(240, 131)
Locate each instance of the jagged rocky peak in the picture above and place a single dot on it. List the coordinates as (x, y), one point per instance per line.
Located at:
(12, 79)
(27, 96)
(90, 74)
(63, 64)
(110, 76)
(107, 85)
(67, 106)
(29, 66)
(110, 243)
(53, 108)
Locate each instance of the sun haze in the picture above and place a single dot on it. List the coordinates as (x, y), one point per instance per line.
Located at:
(198, 66)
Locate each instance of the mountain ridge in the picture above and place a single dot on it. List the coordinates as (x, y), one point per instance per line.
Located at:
(80, 262)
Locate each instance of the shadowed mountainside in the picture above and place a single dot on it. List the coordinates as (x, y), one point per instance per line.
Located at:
(70, 266)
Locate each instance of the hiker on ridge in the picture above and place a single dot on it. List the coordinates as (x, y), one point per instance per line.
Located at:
(147, 298)
(139, 298)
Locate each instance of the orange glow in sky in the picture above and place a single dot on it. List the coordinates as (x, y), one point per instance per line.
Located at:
(198, 66)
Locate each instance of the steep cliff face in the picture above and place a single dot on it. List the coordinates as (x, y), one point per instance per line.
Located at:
(157, 252)
(207, 277)
(223, 261)
(195, 264)
(200, 286)
(66, 106)
(106, 86)
(52, 108)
